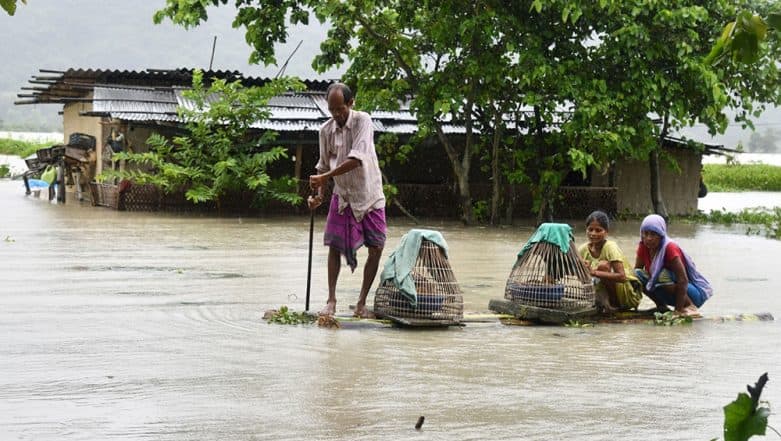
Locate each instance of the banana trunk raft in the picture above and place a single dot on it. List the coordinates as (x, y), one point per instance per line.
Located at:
(505, 313)
(532, 315)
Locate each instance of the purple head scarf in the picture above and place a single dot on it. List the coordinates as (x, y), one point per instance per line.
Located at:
(656, 224)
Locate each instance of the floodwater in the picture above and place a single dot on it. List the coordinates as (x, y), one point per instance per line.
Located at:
(148, 326)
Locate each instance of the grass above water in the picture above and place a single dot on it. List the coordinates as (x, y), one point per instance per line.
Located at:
(20, 148)
(758, 221)
(741, 177)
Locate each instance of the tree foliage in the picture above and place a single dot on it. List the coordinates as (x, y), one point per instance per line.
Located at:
(541, 87)
(217, 154)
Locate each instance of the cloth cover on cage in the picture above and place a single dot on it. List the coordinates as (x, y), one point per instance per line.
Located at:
(557, 234)
(37, 184)
(398, 267)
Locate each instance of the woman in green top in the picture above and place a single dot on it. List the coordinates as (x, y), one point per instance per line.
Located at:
(616, 289)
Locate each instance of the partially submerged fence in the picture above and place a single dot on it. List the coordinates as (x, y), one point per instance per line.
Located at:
(424, 200)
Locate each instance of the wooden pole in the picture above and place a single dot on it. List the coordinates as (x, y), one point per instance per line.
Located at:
(309, 265)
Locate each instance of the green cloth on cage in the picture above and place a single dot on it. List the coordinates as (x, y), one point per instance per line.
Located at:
(556, 234)
(400, 263)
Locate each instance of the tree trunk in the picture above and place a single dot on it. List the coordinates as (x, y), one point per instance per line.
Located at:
(395, 201)
(545, 213)
(509, 203)
(461, 171)
(496, 172)
(657, 200)
(465, 195)
(546, 206)
(656, 186)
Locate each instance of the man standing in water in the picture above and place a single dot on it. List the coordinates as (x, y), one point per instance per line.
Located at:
(356, 215)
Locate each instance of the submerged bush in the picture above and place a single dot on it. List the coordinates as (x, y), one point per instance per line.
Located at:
(758, 220)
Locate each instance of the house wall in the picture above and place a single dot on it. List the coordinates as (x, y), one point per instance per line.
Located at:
(136, 136)
(633, 180)
(74, 122)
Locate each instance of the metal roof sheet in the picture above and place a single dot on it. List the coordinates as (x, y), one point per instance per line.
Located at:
(301, 114)
(294, 101)
(144, 100)
(134, 93)
(141, 117)
(289, 112)
(288, 126)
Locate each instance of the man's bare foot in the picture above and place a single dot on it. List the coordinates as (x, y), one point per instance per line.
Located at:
(607, 309)
(329, 309)
(363, 312)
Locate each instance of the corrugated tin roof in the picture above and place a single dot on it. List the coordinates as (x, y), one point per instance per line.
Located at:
(63, 86)
(293, 112)
(300, 114)
(144, 117)
(154, 95)
(406, 129)
(153, 101)
(398, 115)
(294, 100)
(288, 126)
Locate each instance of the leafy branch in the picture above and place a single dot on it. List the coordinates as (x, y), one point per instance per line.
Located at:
(10, 5)
(285, 316)
(219, 153)
(669, 318)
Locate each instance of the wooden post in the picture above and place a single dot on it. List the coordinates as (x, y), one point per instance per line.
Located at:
(299, 161)
(77, 180)
(61, 181)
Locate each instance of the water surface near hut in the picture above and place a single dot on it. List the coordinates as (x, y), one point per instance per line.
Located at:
(118, 325)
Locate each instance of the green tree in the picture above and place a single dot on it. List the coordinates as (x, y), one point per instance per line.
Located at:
(650, 56)
(594, 74)
(454, 62)
(218, 154)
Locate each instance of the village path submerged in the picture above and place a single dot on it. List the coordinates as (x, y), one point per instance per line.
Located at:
(117, 325)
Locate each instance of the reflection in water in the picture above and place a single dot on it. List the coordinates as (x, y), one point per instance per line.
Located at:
(148, 326)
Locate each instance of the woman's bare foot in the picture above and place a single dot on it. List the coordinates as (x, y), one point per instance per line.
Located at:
(329, 309)
(689, 311)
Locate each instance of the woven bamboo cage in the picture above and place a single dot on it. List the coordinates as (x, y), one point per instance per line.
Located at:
(438, 295)
(546, 277)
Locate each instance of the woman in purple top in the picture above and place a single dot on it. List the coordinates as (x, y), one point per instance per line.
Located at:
(668, 273)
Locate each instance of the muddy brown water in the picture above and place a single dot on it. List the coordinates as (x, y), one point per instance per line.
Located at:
(148, 326)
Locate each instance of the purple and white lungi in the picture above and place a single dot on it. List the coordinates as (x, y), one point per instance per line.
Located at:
(346, 234)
